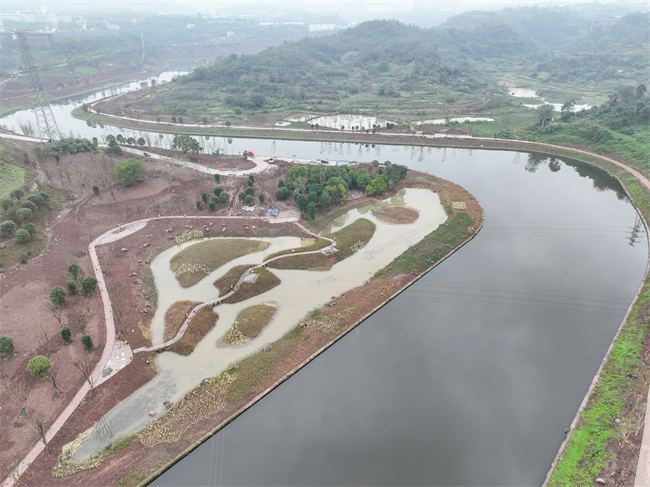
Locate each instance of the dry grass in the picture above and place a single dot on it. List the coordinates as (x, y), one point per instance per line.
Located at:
(230, 278)
(319, 243)
(201, 324)
(175, 316)
(196, 261)
(266, 281)
(396, 214)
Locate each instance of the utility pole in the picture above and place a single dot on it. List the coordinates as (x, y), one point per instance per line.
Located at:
(45, 122)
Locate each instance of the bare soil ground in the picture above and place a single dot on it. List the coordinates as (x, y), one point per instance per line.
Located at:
(225, 162)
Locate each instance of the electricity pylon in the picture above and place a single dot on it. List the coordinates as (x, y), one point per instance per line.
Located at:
(45, 122)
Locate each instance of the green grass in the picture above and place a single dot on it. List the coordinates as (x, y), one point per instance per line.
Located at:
(265, 282)
(193, 263)
(318, 244)
(348, 241)
(432, 248)
(11, 177)
(224, 283)
(254, 369)
(586, 453)
(201, 324)
(248, 325)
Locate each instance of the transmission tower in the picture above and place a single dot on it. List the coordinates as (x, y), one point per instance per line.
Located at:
(45, 122)
(635, 231)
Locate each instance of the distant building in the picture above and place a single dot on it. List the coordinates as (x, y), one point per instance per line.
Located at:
(319, 27)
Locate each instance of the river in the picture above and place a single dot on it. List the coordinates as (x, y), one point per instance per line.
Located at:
(471, 376)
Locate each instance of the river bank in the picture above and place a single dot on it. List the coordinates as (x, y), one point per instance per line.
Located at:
(239, 388)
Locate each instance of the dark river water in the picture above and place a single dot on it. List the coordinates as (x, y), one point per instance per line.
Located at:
(471, 376)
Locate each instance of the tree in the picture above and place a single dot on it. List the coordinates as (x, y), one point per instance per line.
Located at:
(212, 205)
(87, 342)
(325, 201)
(38, 366)
(89, 285)
(130, 141)
(7, 227)
(17, 194)
(261, 198)
(249, 200)
(250, 191)
(22, 236)
(74, 272)
(57, 296)
(567, 109)
(120, 138)
(217, 177)
(224, 197)
(228, 124)
(29, 204)
(66, 334)
(72, 286)
(544, 113)
(204, 197)
(185, 144)
(37, 199)
(199, 205)
(311, 210)
(141, 141)
(23, 214)
(30, 227)
(129, 171)
(241, 196)
(96, 190)
(6, 345)
(217, 191)
(85, 367)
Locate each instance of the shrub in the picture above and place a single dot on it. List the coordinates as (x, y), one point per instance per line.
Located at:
(44, 195)
(37, 199)
(6, 345)
(213, 206)
(7, 227)
(23, 214)
(72, 286)
(128, 172)
(66, 334)
(218, 190)
(38, 366)
(96, 190)
(30, 227)
(17, 194)
(22, 236)
(23, 258)
(249, 200)
(88, 285)
(87, 342)
(29, 204)
(58, 296)
(6, 203)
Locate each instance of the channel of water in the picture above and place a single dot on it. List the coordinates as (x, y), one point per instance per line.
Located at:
(471, 376)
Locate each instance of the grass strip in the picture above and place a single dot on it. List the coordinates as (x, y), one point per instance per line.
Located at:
(202, 322)
(317, 245)
(175, 317)
(226, 282)
(396, 214)
(265, 282)
(432, 248)
(194, 262)
(248, 325)
(349, 240)
(586, 454)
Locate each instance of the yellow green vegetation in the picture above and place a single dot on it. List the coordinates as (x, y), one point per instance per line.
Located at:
(265, 281)
(150, 297)
(332, 324)
(193, 263)
(197, 405)
(175, 316)
(396, 214)
(65, 466)
(154, 460)
(249, 324)
(230, 278)
(202, 322)
(318, 243)
(432, 248)
(251, 371)
(349, 240)
(11, 177)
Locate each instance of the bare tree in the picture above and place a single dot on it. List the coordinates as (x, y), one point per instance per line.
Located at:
(10, 468)
(118, 304)
(18, 393)
(55, 310)
(43, 340)
(37, 422)
(52, 374)
(80, 317)
(85, 368)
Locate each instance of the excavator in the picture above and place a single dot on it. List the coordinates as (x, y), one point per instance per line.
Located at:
(247, 154)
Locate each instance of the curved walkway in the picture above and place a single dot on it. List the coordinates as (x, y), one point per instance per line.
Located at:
(235, 288)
